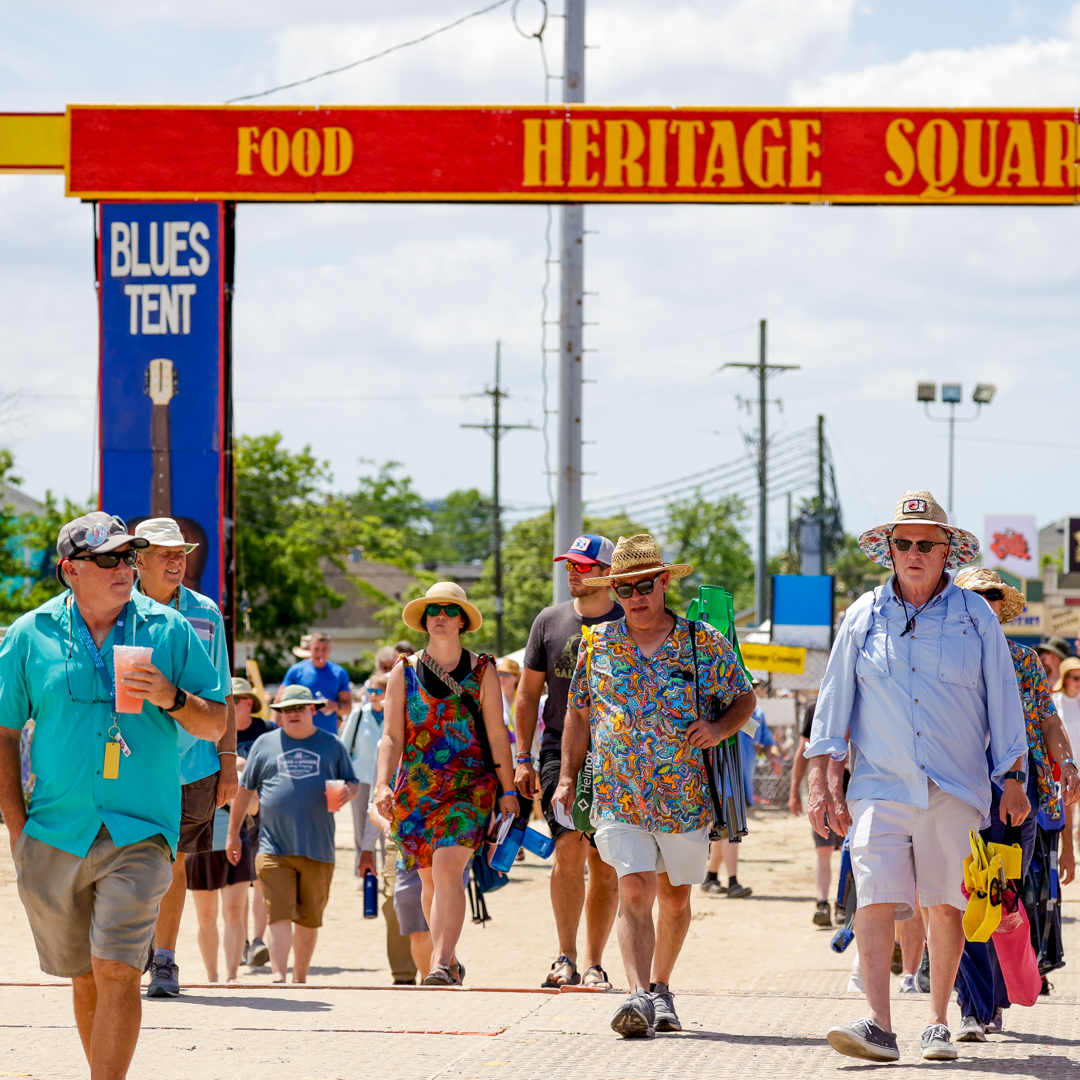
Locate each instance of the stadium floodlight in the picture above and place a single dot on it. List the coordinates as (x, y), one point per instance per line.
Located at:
(950, 393)
(927, 392)
(984, 393)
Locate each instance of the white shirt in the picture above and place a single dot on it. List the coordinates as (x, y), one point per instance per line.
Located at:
(1069, 710)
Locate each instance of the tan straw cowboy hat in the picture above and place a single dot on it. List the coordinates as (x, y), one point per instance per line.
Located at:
(919, 508)
(635, 556)
(979, 579)
(442, 592)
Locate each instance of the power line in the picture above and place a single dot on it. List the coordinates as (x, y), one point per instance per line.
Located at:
(374, 56)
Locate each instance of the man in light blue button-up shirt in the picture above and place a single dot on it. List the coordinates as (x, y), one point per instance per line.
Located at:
(920, 682)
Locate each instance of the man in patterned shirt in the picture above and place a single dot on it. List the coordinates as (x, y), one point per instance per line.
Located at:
(633, 696)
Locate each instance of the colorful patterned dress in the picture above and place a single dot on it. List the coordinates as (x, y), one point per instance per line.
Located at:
(442, 795)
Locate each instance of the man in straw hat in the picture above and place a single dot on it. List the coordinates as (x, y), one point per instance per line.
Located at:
(633, 694)
(207, 772)
(920, 680)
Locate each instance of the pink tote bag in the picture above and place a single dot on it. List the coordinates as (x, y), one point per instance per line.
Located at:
(1019, 967)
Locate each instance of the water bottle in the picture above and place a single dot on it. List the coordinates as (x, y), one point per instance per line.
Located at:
(538, 843)
(371, 896)
(502, 858)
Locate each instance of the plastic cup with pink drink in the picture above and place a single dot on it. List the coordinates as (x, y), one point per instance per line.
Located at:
(125, 657)
(335, 792)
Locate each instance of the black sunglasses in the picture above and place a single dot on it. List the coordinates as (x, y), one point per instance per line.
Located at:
(993, 594)
(624, 592)
(108, 561)
(925, 546)
(434, 610)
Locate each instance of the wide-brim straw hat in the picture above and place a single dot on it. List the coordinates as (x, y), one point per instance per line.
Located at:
(1070, 663)
(634, 556)
(919, 508)
(442, 592)
(979, 579)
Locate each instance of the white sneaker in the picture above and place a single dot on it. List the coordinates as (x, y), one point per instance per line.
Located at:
(907, 985)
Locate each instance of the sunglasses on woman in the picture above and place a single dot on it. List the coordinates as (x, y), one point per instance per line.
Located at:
(924, 546)
(451, 610)
(624, 592)
(993, 594)
(108, 561)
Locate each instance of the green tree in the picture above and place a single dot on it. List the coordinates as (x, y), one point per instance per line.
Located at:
(461, 527)
(391, 499)
(850, 566)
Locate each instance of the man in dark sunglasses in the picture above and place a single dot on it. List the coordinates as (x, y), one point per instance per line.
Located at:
(920, 680)
(93, 854)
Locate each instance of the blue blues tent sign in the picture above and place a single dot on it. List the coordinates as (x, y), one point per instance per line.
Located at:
(162, 379)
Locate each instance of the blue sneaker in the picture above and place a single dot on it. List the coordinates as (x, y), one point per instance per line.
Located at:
(164, 980)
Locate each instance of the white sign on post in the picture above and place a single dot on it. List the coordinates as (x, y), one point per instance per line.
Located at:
(1011, 542)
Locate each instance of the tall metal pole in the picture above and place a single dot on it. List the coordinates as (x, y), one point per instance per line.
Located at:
(571, 258)
(496, 509)
(763, 480)
(952, 435)
(821, 467)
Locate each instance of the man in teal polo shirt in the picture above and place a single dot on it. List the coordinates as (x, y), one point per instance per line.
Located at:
(207, 772)
(92, 854)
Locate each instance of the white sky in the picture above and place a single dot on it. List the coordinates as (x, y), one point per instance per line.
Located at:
(339, 304)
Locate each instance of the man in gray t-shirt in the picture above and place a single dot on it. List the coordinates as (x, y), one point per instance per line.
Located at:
(550, 658)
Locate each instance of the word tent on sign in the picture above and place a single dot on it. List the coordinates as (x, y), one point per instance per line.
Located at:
(159, 308)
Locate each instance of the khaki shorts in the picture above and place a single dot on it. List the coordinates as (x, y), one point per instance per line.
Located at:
(198, 803)
(295, 887)
(103, 906)
(898, 849)
(633, 850)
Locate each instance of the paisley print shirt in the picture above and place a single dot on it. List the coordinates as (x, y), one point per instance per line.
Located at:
(1038, 704)
(645, 773)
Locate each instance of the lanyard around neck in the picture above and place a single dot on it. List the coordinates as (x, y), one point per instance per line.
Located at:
(92, 649)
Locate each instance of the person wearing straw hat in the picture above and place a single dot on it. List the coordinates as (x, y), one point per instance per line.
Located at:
(635, 696)
(443, 723)
(92, 850)
(921, 680)
(981, 991)
(207, 772)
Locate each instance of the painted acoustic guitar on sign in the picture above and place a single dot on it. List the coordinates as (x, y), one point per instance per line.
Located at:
(162, 385)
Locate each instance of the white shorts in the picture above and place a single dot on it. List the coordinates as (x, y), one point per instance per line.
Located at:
(896, 849)
(631, 849)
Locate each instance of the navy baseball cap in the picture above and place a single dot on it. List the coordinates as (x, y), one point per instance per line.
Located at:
(589, 548)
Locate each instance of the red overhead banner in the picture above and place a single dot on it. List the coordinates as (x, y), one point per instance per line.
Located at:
(577, 153)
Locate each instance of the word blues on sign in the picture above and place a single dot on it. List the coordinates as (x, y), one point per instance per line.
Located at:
(166, 258)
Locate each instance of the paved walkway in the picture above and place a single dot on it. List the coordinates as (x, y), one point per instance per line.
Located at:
(321, 1032)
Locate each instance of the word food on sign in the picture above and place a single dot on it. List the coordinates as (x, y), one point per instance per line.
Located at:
(172, 249)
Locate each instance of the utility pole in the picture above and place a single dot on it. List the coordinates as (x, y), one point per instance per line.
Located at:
(763, 371)
(572, 283)
(495, 430)
(821, 468)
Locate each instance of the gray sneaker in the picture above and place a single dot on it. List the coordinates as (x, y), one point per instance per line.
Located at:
(259, 954)
(635, 1017)
(164, 980)
(936, 1045)
(971, 1030)
(664, 1008)
(996, 1024)
(864, 1039)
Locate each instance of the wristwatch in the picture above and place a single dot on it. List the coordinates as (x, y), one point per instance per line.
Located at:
(180, 702)
(1019, 777)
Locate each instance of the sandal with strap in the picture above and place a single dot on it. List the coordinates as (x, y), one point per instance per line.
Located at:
(564, 969)
(440, 975)
(457, 970)
(597, 978)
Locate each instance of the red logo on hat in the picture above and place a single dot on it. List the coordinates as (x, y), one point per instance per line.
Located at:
(915, 506)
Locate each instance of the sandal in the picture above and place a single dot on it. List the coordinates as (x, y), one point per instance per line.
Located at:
(562, 969)
(457, 970)
(597, 978)
(440, 975)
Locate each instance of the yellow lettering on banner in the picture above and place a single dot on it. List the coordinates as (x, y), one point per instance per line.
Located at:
(899, 149)
(1019, 157)
(624, 144)
(723, 157)
(658, 153)
(543, 145)
(1060, 154)
(581, 149)
(973, 173)
(802, 150)
(274, 152)
(938, 153)
(764, 164)
(247, 144)
(687, 131)
(337, 151)
(306, 151)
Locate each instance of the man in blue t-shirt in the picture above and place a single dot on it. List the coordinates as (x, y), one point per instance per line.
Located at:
(289, 769)
(325, 680)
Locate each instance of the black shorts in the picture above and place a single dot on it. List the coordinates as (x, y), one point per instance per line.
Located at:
(550, 767)
(833, 840)
(198, 803)
(209, 870)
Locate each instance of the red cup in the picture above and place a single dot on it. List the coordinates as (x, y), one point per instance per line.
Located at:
(124, 659)
(335, 792)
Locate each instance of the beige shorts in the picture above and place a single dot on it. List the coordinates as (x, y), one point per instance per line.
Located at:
(104, 905)
(631, 849)
(295, 888)
(898, 849)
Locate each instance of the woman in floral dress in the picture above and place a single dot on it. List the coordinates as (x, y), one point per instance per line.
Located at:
(433, 783)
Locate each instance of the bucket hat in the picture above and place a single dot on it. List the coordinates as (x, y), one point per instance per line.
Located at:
(303, 650)
(637, 555)
(163, 532)
(242, 687)
(979, 579)
(1056, 645)
(919, 508)
(442, 592)
(295, 694)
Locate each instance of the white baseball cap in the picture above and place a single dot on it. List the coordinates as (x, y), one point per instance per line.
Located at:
(164, 532)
